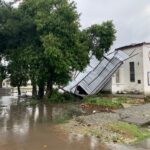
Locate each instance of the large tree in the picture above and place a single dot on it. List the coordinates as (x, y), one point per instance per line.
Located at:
(3, 73)
(62, 49)
(43, 42)
(101, 38)
(5, 14)
(18, 70)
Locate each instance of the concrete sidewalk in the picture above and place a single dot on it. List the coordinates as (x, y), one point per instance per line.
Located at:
(139, 115)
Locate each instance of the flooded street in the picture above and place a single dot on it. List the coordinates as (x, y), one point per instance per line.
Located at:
(35, 128)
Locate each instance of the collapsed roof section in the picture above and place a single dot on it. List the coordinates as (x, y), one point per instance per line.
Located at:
(97, 74)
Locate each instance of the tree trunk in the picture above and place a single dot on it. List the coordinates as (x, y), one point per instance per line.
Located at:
(41, 91)
(34, 87)
(34, 90)
(1, 83)
(19, 91)
(49, 89)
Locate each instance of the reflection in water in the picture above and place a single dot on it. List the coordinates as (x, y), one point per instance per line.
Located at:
(94, 142)
(31, 128)
(35, 112)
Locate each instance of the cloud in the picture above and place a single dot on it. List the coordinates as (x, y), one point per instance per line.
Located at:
(131, 17)
(147, 10)
(8, 0)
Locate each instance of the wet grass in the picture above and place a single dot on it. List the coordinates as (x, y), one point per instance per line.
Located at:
(147, 99)
(59, 98)
(62, 120)
(129, 131)
(68, 114)
(106, 102)
(89, 131)
(92, 132)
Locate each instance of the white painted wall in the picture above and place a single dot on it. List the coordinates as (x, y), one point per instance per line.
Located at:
(6, 84)
(125, 85)
(146, 66)
(24, 89)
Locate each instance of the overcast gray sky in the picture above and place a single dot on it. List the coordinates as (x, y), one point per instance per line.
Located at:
(131, 18)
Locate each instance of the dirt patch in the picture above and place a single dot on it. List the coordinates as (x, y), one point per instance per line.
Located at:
(106, 127)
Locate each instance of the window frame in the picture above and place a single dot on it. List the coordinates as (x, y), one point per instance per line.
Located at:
(118, 77)
(132, 71)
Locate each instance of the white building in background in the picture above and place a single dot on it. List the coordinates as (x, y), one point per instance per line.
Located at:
(6, 83)
(24, 89)
(134, 75)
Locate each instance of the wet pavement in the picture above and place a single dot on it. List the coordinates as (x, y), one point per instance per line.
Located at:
(34, 128)
(138, 115)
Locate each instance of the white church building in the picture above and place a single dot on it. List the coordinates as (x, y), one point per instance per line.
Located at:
(134, 75)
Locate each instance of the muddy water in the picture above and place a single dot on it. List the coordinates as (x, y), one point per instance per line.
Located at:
(35, 128)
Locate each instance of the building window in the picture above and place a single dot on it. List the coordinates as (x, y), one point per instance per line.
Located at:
(132, 72)
(118, 76)
(139, 81)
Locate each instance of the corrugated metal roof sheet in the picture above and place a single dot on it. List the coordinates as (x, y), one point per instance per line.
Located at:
(97, 74)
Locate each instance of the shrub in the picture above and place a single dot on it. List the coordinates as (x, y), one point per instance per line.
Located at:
(62, 120)
(58, 97)
(147, 99)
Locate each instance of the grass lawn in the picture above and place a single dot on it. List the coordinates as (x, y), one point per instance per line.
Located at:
(106, 102)
(129, 131)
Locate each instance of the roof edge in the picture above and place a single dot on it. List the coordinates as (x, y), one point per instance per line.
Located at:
(132, 45)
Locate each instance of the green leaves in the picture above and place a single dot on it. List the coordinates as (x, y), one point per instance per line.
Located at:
(42, 41)
(51, 45)
(101, 37)
(3, 73)
(18, 70)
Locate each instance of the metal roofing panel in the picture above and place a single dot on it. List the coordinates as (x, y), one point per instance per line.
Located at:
(93, 79)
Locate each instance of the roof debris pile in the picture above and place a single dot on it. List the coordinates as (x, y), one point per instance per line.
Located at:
(97, 74)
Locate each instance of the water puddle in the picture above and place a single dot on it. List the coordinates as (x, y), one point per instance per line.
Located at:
(35, 127)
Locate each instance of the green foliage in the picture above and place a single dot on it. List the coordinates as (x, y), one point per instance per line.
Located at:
(5, 14)
(69, 97)
(68, 113)
(130, 131)
(3, 73)
(17, 68)
(57, 97)
(62, 120)
(101, 37)
(147, 99)
(106, 102)
(61, 48)
(42, 41)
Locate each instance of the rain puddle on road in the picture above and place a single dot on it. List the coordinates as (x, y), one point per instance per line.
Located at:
(35, 128)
